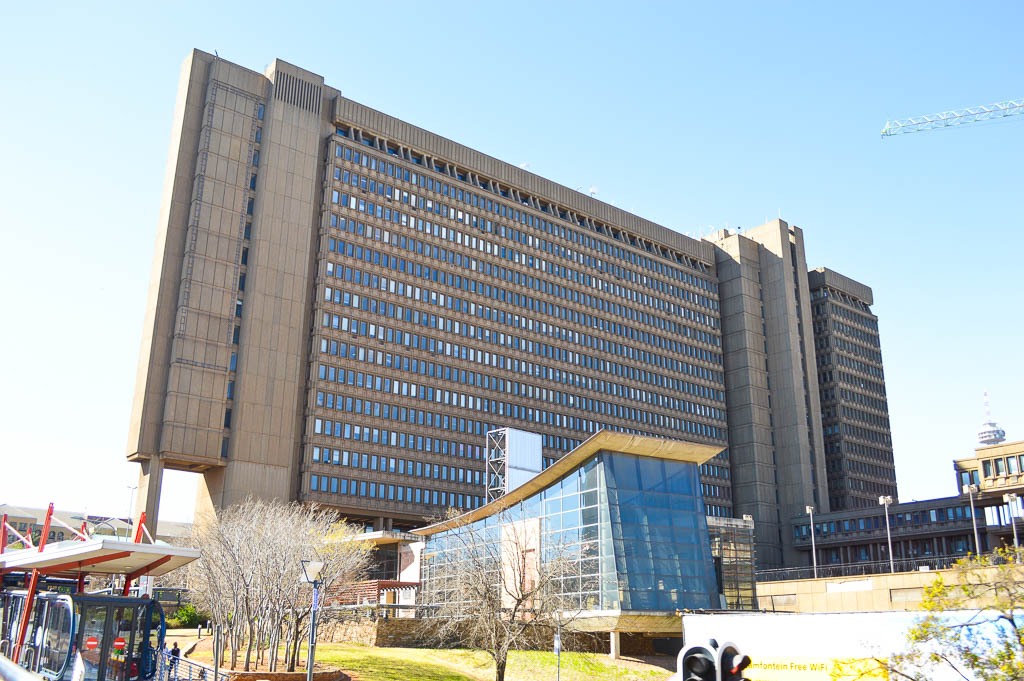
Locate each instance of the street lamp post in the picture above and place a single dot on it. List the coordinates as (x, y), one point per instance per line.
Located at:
(885, 501)
(131, 510)
(311, 574)
(970, 491)
(814, 549)
(1011, 499)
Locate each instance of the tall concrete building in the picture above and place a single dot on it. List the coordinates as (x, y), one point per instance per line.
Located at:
(343, 304)
(854, 410)
(774, 422)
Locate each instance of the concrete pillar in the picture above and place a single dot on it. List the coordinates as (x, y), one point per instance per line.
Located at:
(614, 647)
(147, 497)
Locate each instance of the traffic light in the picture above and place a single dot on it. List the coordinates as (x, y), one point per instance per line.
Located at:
(730, 663)
(698, 664)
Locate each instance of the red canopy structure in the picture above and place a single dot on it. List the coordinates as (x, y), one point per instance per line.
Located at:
(87, 555)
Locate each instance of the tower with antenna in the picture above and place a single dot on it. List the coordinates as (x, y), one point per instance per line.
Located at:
(990, 433)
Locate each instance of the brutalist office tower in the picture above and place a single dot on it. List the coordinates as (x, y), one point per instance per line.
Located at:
(854, 406)
(343, 304)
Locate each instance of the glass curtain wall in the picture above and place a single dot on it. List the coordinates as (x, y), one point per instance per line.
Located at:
(634, 526)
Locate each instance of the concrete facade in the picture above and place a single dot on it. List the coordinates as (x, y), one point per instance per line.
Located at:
(343, 304)
(321, 265)
(868, 593)
(775, 440)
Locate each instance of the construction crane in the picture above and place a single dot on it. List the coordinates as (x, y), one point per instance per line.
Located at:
(949, 119)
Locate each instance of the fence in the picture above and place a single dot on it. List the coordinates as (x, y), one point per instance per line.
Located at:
(171, 668)
(857, 569)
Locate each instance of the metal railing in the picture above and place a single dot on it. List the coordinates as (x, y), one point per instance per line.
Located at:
(171, 668)
(857, 569)
(372, 611)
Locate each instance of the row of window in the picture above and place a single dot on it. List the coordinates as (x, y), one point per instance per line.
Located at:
(471, 402)
(867, 468)
(857, 382)
(884, 455)
(468, 401)
(863, 400)
(632, 313)
(391, 492)
(870, 487)
(858, 432)
(826, 359)
(399, 218)
(521, 343)
(868, 321)
(382, 436)
(518, 236)
(1003, 466)
(856, 415)
(239, 301)
(391, 310)
(824, 343)
(384, 167)
(863, 336)
(968, 478)
(341, 323)
(52, 535)
(398, 466)
(910, 518)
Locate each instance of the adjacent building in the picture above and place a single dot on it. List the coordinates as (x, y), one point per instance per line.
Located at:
(930, 533)
(851, 385)
(33, 520)
(343, 305)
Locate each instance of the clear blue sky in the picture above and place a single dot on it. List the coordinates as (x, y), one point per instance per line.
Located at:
(692, 115)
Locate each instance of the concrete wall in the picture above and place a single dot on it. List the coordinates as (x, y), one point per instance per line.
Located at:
(869, 593)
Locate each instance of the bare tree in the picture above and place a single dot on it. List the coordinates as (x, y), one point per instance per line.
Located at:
(249, 574)
(495, 585)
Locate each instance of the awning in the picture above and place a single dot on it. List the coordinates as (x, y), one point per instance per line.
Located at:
(99, 557)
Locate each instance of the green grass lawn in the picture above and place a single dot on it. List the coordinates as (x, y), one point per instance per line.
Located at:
(386, 664)
(413, 664)
(421, 664)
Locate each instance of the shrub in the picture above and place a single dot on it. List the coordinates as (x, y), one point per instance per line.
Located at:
(187, 617)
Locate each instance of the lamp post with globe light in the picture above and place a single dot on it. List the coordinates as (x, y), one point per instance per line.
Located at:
(970, 491)
(311, 574)
(885, 501)
(1011, 500)
(814, 550)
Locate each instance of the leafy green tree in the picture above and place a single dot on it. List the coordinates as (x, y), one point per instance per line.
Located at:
(984, 639)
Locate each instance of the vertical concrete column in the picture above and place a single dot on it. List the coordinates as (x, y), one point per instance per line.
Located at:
(614, 647)
(147, 498)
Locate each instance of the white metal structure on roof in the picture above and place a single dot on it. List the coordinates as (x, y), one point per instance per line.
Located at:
(99, 556)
